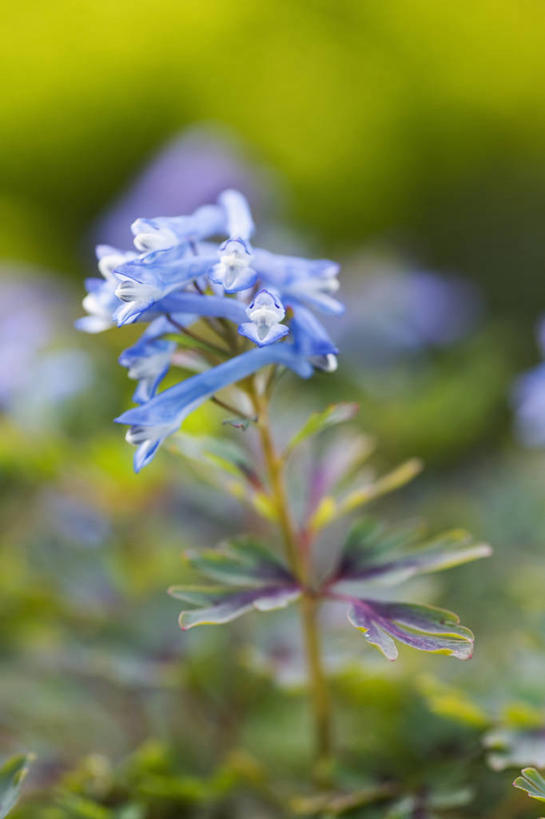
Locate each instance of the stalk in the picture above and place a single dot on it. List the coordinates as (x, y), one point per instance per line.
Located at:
(309, 605)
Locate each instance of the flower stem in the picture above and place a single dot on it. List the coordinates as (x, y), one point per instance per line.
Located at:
(309, 603)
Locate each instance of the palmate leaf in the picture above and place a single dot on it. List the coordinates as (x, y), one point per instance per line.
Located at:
(248, 577)
(368, 545)
(12, 774)
(215, 606)
(240, 562)
(532, 782)
(319, 421)
(426, 628)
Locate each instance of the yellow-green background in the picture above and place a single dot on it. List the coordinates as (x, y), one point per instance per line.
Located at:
(417, 125)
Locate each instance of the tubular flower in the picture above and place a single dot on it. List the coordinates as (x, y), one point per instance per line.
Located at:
(202, 270)
(265, 314)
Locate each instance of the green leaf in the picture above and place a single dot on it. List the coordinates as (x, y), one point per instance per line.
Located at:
(337, 804)
(78, 807)
(452, 703)
(215, 454)
(330, 509)
(510, 748)
(241, 561)
(393, 480)
(319, 421)
(227, 605)
(12, 774)
(532, 782)
(363, 556)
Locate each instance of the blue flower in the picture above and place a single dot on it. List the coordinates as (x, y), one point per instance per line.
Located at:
(101, 302)
(154, 421)
(181, 277)
(165, 232)
(234, 270)
(146, 280)
(239, 222)
(148, 362)
(265, 314)
(300, 281)
(312, 340)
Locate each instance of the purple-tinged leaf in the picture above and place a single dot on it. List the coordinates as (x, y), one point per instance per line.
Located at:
(369, 541)
(224, 605)
(362, 561)
(423, 627)
(330, 509)
(241, 562)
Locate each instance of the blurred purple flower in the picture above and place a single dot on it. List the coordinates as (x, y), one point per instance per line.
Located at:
(35, 373)
(528, 399)
(23, 332)
(190, 171)
(394, 314)
(74, 520)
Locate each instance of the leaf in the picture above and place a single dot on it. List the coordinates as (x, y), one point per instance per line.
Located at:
(263, 583)
(450, 702)
(370, 540)
(393, 480)
(330, 509)
(224, 605)
(12, 775)
(361, 559)
(78, 807)
(219, 454)
(513, 748)
(319, 421)
(240, 562)
(423, 627)
(532, 782)
(336, 804)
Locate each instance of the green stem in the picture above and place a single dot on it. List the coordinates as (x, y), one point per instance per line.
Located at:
(308, 604)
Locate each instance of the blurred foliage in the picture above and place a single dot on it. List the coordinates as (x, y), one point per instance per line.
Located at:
(413, 120)
(411, 124)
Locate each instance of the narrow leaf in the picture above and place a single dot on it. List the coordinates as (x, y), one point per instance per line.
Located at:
(228, 605)
(388, 483)
(362, 563)
(423, 627)
(318, 421)
(12, 774)
(242, 562)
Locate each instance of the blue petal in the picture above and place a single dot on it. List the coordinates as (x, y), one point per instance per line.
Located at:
(166, 267)
(144, 455)
(166, 407)
(216, 306)
(240, 224)
(310, 336)
(276, 332)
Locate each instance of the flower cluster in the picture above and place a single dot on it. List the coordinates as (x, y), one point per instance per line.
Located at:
(176, 277)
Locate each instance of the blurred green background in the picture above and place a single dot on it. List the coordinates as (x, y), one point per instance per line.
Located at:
(405, 134)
